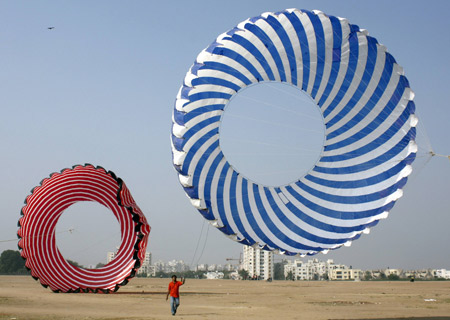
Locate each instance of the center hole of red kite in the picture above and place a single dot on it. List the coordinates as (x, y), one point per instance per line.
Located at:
(86, 232)
(272, 133)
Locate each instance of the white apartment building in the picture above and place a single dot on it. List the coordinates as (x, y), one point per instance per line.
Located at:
(320, 270)
(310, 270)
(146, 266)
(443, 273)
(345, 274)
(258, 263)
(110, 256)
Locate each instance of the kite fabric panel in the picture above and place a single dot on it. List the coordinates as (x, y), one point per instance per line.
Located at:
(368, 113)
(44, 206)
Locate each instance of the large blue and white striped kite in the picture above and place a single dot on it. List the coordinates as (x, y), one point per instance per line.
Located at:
(368, 112)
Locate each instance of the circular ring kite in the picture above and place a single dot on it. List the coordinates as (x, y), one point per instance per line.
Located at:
(368, 112)
(41, 213)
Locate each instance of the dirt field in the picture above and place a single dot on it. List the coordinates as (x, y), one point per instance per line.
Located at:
(23, 298)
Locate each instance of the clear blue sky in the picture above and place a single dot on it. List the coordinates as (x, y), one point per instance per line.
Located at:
(100, 87)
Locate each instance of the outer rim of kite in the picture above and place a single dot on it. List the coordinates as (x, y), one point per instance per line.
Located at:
(193, 162)
(140, 232)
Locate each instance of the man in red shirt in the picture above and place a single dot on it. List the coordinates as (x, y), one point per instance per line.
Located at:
(174, 293)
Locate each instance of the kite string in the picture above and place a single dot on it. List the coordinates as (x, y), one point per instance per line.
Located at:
(198, 242)
(38, 236)
(204, 244)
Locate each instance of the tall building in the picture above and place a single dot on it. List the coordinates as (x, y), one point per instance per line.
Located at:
(258, 263)
(110, 256)
(147, 259)
(146, 266)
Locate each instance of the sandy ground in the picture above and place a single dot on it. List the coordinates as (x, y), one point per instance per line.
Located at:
(23, 298)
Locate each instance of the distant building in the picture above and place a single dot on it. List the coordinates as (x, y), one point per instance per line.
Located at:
(110, 256)
(213, 275)
(395, 272)
(320, 270)
(229, 267)
(201, 267)
(345, 274)
(146, 268)
(443, 273)
(258, 263)
(212, 267)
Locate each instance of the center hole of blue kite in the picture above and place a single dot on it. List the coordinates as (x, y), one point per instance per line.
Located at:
(272, 133)
(86, 233)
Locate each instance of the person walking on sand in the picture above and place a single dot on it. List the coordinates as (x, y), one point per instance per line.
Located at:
(174, 293)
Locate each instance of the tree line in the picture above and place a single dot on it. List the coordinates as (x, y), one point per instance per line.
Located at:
(12, 263)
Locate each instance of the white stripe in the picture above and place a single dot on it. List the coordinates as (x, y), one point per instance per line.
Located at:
(345, 57)
(328, 35)
(362, 58)
(264, 25)
(261, 48)
(236, 47)
(310, 35)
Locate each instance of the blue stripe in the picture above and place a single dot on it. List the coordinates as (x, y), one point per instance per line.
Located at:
(202, 110)
(320, 47)
(336, 64)
(184, 94)
(382, 139)
(195, 147)
(338, 214)
(352, 199)
(249, 214)
(220, 202)
(349, 74)
(388, 155)
(199, 126)
(208, 181)
(226, 69)
(257, 31)
(353, 184)
(234, 209)
(375, 123)
(215, 81)
(301, 34)
(222, 51)
(365, 79)
(254, 51)
(177, 142)
(209, 95)
(272, 227)
(307, 219)
(199, 167)
(178, 116)
(276, 25)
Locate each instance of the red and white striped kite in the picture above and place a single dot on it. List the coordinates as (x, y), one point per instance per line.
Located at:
(41, 213)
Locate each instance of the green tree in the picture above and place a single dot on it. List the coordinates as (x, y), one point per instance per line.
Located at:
(368, 276)
(12, 263)
(243, 273)
(74, 263)
(290, 276)
(278, 271)
(393, 277)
